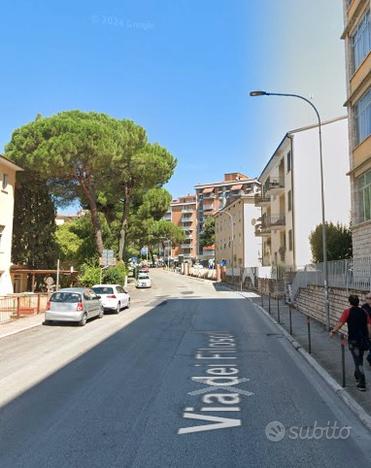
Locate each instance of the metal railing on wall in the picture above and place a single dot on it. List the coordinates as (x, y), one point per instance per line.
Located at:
(19, 305)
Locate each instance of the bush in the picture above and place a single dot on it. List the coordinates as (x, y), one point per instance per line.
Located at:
(115, 274)
(89, 274)
(339, 242)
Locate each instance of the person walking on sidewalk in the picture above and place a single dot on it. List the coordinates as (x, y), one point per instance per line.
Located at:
(359, 329)
(367, 307)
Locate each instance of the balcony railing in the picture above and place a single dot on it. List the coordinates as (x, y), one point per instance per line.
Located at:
(267, 223)
(186, 246)
(275, 184)
(262, 199)
(186, 219)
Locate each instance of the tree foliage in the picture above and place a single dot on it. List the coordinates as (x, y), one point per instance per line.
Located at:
(34, 223)
(339, 242)
(70, 149)
(105, 163)
(76, 243)
(207, 236)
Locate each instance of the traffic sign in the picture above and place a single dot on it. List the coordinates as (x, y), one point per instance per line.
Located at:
(108, 258)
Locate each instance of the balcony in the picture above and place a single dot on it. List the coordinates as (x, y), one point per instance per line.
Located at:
(187, 210)
(274, 185)
(262, 199)
(186, 246)
(186, 219)
(266, 224)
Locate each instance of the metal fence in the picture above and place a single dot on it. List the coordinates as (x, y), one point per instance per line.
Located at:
(20, 305)
(347, 274)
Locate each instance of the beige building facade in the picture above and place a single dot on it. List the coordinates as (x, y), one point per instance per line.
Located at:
(290, 198)
(213, 196)
(8, 172)
(236, 245)
(357, 38)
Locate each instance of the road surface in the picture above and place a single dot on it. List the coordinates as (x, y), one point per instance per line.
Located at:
(190, 376)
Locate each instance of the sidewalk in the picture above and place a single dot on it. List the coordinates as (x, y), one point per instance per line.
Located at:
(324, 349)
(18, 325)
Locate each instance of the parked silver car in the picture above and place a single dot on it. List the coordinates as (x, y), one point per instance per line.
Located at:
(73, 305)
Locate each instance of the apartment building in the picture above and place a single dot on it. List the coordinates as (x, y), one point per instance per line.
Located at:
(213, 196)
(290, 198)
(236, 245)
(357, 37)
(183, 214)
(8, 172)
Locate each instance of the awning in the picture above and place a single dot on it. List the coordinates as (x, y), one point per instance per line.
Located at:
(208, 190)
(237, 187)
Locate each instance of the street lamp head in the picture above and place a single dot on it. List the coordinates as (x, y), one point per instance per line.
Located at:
(258, 93)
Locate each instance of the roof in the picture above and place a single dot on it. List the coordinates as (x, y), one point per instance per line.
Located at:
(10, 163)
(233, 201)
(291, 133)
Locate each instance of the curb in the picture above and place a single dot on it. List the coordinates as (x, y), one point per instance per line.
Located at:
(355, 407)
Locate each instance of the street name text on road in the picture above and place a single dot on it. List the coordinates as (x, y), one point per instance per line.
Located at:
(221, 394)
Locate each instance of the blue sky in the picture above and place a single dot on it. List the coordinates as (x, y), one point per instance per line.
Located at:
(180, 68)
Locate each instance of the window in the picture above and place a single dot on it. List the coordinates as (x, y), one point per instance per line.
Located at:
(361, 41)
(69, 297)
(363, 117)
(364, 196)
(290, 239)
(288, 161)
(5, 181)
(289, 200)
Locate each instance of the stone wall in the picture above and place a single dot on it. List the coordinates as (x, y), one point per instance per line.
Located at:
(311, 301)
(361, 236)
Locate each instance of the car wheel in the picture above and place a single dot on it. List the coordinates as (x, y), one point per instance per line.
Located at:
(101, 313)
(118, 308)
(47, 322)
(83, 320)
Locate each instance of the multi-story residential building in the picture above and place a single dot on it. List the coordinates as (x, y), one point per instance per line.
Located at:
(240, 248)
(357, 36)
(183, 214)
(290, 198)
(213, 196)
(8, 172)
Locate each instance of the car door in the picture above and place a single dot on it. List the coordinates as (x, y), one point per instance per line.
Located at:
(87, 303)
(95, 303)
(122, 296)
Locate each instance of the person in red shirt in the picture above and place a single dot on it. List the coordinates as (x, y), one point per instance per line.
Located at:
(359, 331)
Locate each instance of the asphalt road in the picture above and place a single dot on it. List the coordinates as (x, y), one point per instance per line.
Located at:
(190, 376)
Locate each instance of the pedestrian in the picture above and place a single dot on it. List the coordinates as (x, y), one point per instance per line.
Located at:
(367, 307)
(359, 329)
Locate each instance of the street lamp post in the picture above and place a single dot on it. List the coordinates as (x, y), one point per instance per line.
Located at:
(232, 245)
(324, 238)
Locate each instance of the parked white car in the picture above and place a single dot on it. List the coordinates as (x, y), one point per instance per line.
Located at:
(144, 281)
(112, 296)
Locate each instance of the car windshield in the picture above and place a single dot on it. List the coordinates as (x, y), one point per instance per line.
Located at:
(103, 290)
(71, 297)
(143, 276)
